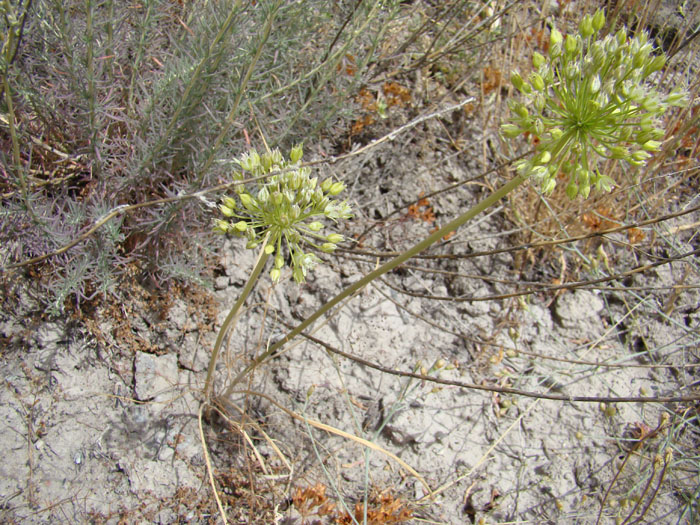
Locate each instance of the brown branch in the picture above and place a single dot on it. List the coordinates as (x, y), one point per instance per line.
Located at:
(501, 390)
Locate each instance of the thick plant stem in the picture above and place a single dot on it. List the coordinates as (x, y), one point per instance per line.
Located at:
(233, 316)
(386, 267)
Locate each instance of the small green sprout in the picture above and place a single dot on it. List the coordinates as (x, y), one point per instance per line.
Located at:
(286, 205)
(588, 101)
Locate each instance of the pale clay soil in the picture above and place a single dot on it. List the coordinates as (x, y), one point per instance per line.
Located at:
(98, 425)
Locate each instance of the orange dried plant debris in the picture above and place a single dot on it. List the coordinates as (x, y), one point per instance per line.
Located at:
(347, 65)
(384, 508)
(602, 219)
(635, 235)
(360, 124)
(396, 95)
(492, 79)
(422, 210)
(312, 500)
(365, 98)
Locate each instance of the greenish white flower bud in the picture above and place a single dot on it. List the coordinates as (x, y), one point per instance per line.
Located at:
(335, 238)
(220, 226)
(226, 210)
(537, 81)
(571, 45)
(510, 130)
(651, 145)
(328, 247)
(230, 203)
(315, 226)
(585, 26)
(241, 226)
(598, 20)
(555, 37)
(296, 153)
(336, 188)
(538, 60)
(247, 201)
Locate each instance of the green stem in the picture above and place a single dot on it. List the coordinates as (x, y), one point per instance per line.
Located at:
(233, 316)
(385, 268)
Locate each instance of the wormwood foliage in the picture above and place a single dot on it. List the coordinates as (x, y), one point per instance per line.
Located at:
(286, 206)
(588, 101)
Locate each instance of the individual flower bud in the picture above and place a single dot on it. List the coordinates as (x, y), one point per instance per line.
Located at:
(294, 211)
(548, 186)
(275, 275)
(226, 210)
(595, 84)
(266, 161)
(571, 45)
(585, 26)
(598, 20)
(618, 152)
(336, 188)
(538, 60)
(335, 238)
(517, 81)
(544, 157)
(655, 64)
(279, 260)
(555, 37)
(556, 133)
(315, 226)
(263, 195)
(537, 81)
(518, 108)
(651, 104)
(328, 247)
(276, 157)
(247, 201)
(640, 156)
(269, 249)
(651, 145)
(604, 183)
(572, 190)
(326, 185)
(676, 98)
(585, 190)
(241, 226)
(510, 130)
(230, 203)
(296, 153)
(621, 37)
(220, 226)
(598, 54)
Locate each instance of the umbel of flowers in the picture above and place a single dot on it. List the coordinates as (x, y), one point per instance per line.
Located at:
(588, 101)
(287, 205)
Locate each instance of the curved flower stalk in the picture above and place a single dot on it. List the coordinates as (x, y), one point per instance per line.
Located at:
(286, 206)
(587, 101)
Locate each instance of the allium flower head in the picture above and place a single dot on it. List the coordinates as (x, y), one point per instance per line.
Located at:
(287, 205)
(588, 101)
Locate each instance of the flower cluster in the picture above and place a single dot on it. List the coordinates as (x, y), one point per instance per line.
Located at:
(587, 101)
(286, 205)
